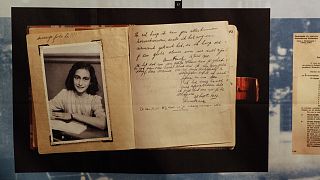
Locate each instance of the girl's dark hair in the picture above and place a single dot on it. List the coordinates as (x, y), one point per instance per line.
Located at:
(93, 87)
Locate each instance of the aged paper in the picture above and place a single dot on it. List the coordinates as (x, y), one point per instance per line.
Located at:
(181, 88)
(116, 67)
(233, 46)
(306, 94)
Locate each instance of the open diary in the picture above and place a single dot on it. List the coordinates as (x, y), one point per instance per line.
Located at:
(133, 87)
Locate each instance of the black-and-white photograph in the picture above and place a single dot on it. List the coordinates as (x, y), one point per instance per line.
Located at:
(76, 93)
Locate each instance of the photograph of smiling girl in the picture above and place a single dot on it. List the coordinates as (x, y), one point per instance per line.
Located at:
(76, 93)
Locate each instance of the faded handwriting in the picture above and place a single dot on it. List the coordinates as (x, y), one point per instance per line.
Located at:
(177, 107)
(55, 37)
(195, 57)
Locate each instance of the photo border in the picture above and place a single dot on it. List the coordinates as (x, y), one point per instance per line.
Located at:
(105, 95)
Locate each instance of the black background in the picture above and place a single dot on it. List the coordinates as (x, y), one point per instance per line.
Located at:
(251, 151)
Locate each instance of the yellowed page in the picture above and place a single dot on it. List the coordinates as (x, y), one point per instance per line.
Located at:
(233, 44)
(51, 29)
(306, 94)
(180, 79)
(117, 80)
(233, 40)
